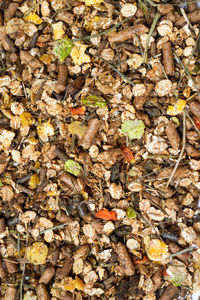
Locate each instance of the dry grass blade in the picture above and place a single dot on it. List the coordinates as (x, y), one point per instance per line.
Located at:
(153, 26)
(52, 228)
(182, 251)
(182, 151)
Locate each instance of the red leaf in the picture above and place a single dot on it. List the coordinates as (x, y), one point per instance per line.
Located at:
(127, 153)
(78, 110)
(141, 261)
(104, 214)
(197, 122)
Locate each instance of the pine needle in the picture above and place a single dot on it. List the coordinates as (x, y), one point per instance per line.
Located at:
(52, 228)
(181, 251)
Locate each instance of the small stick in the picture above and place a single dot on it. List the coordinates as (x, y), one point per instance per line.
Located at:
(55, 227)
(153, 26)
(62, 77)
(182, 151)
(182, 251)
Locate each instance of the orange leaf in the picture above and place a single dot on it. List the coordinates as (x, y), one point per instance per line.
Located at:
(197, 122)
(106, 215)
(127, 153)
(78, 110)
(141, 261)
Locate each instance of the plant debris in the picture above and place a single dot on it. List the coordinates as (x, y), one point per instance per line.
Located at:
(99, 149)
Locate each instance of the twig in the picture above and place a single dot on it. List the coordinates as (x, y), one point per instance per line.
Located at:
(182, 150)
(103, 32)
(188, 116)
(181, 251)
(145, 56)
(188, 73)
(18, 244)
(52, 228)
(187, 20)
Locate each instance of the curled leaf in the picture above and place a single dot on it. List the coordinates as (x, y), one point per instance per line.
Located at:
(72, 167)
(94, 101)
(134, 129)
(127, 153)
(104, 214)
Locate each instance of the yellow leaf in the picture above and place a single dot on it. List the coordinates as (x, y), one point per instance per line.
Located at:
(78, 54)
(46, 58)
(156, 250)
(93, 2)
(176, 109)
(37, 253)
(34, 181)
(76, 128)
(37, 164)
(26, 119)
(94, 23)
(33, 18)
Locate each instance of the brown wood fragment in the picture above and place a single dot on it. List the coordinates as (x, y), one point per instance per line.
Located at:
(66, 268)
(42, 293)
(194, 17)
(72, 182)
(10, 11)
(195, 108)
(73, 87)
(128, 33)
(12, 267)
(168, 58)
(62, 77)
(140, 100)
(90, 133)
(10, 294)
(82, 252)
(47, 275)
(173, 136)
(191, 151)
(171, 292)
(165, 8)
(124, 259)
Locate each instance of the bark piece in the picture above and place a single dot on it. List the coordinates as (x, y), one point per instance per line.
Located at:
(66, 268)
(10, 294)
(2, 225)
(170, 292)
(10, 11)
(173, 136)
(168, 59)
(124, 259)
(90, 133)
(140, 100)
(191, 151)
(62, 77)
(47, 275)
(195, 108)
(128, 33)
(194, 17)
(42, 293)
(173, 248)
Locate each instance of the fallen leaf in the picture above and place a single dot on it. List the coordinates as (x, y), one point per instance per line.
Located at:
(104, 214)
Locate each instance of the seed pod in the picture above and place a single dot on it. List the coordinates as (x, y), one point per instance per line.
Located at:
(2, 225)
(10, 11)
(90, 133)
(173, 136)
(128, 33)
(47, 275)
(168, 58)
(124, 259)
(42, 293)
(66, 268)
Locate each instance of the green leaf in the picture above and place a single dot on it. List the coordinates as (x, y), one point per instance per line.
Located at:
(133, 128)
(72, 167)
(1, 184)
(94, 101)
(63, 48)
(130, 213)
